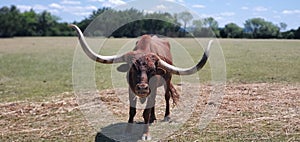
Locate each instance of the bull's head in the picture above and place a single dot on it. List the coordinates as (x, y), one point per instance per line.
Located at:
(140, 65)
(141, 68)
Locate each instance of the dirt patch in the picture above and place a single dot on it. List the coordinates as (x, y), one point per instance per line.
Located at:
(248, 112)
(34, 121)
(251, 112)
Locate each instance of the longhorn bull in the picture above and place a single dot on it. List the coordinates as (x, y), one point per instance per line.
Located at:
(148, 66)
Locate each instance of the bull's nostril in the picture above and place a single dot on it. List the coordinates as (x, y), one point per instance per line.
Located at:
(146, 86)
(142, 86)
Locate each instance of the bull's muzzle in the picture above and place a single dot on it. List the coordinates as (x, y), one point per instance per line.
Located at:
(142, 90)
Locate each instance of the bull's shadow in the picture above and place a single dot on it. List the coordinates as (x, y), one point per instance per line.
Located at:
(119, 133)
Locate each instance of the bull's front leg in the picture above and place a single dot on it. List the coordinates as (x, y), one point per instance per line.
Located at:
(149, 114)
(132, 110)
(152, 115)
(146, 116)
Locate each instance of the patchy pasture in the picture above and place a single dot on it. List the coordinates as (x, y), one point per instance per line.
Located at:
(261, 102)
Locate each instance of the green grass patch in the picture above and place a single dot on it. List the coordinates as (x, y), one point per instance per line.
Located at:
(35, 68)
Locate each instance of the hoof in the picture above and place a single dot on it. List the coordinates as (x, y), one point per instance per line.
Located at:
(146, 137)
(153, 121)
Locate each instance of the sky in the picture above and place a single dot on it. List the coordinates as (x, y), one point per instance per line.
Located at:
(224, 11)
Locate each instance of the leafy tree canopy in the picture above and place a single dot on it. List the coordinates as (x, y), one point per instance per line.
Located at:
(133, 23)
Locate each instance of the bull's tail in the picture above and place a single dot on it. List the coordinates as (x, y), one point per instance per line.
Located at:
(174, 94)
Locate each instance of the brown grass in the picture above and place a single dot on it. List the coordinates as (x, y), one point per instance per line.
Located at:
(249, 112)
(252, 112)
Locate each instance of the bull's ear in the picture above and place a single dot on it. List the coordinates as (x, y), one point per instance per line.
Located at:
(160, 71)
(123, 68)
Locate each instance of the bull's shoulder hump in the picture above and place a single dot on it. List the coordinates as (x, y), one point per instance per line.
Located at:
(161, 41)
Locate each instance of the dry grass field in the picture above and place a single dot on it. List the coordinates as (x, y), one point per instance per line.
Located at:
(261, 101)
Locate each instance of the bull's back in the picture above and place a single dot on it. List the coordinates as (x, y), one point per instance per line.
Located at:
(153, 44)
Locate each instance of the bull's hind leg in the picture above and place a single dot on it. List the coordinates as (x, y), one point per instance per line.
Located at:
(174, 94)
(170, 91)
(167, 99)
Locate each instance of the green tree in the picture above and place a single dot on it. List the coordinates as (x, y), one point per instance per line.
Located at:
(185, 17)
(84, 23)
(46, 23)
(213, 25)
(232, 30)
(282, 26)
(297, 33)
(210, 22)
(198, 25)
(29, 23)
(259, 28)
(288, 34)
(10, 19)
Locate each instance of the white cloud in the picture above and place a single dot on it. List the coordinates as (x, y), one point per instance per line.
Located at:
(198, 6)
(260, 9)
(244, 8)
(277, 17)
(55, 5)
(82, 13)
(90, 7)
(171, 0)
(74, 9)
(161, 7)
(24, 7)
(215, 16)
(112, 3)
(53, 8)
(218, 18)
(291, 12)
(70, 2)
(149, 11)
(227, 13)
(80, 10)
(53, 11)
(40, 7)
(116, 2)
(179, 1)
(97, 0)
(262, 17)
(206, 15)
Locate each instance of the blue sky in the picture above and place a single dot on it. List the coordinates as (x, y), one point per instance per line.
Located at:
(224, 11)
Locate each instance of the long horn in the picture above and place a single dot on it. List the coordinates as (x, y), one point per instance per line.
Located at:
(186, 71)
(91, 54)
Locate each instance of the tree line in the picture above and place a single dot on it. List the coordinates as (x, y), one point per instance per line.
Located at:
(133, 23)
